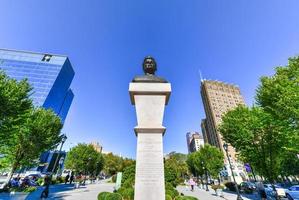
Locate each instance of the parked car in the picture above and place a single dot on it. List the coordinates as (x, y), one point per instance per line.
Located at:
(33, 173)
(271, 193)
(293, 192)
(247, 187)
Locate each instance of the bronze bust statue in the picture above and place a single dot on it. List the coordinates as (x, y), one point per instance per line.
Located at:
(149, 68)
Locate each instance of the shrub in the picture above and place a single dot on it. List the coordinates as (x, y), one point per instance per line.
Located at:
(170, 176)
(230, 185)
(168, 197)
(129, 173)
(60, 179)
(103, 195)
(114, 196)
(29, 189)
(170, 190)
(40, 181)
(109, 196)
(126, 193)
(20, 189)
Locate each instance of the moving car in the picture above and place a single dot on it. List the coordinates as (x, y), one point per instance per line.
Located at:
(293, 192)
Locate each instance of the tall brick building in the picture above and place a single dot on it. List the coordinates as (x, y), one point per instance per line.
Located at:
(218, 98)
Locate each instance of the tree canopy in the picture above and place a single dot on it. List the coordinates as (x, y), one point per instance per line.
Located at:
(84, 159)
(114, 163)
(267, 134)
(14, 103)
(25, 131)
(207, 158)
(257, 137)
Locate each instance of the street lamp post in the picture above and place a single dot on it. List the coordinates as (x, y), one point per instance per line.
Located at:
(206, 173)
(63, 139)
(225, 147)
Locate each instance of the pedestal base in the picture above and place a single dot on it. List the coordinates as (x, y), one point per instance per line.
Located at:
(149, 177)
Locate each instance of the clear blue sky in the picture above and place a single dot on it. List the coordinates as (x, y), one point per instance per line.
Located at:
(106, 41)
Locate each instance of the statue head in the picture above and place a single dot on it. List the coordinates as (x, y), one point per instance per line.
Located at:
(149, 65)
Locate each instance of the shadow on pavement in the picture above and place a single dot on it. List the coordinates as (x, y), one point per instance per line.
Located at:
(54, 192)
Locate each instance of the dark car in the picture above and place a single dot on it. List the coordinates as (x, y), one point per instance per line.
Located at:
(247, 187)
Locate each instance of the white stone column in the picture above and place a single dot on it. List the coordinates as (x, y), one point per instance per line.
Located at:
(149, 100)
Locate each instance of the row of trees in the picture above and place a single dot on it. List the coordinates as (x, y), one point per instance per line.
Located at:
(266, 135)
(25, 131)
(84, 159)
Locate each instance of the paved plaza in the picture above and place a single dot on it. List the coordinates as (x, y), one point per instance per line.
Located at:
(66, 192)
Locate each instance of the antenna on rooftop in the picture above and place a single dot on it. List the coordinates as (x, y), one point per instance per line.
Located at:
(200, 75)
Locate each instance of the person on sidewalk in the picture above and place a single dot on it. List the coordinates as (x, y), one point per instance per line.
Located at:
(67, 178)
(47, 182)
(192, 183)
(72, 178)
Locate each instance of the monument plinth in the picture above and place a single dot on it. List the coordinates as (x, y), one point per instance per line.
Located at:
(149, 94)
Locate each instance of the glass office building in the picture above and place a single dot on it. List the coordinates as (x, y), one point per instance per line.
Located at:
(50, 76)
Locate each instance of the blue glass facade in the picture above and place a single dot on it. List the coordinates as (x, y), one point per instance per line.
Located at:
(49, 75)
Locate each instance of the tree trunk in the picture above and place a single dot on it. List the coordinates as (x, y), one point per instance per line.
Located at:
(12, 171)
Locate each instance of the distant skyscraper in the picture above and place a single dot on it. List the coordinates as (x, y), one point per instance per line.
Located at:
(194, 141)
(218, 98)
(50, 75)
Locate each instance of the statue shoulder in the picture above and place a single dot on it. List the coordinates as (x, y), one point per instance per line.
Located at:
(149, 79)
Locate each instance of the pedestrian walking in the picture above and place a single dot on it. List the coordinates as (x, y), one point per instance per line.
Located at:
(47, 182)
(67, 178)
(192, 183)
(72, 178)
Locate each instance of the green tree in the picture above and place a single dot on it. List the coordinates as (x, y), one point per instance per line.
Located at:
(278, 95)
(14, 103)
(38, 132)
(25, 131)
(258, 138)
(176, 163)
(114, 164)
(268, 134)
(194, 169)
(83, 158)
(289, 165)
(207, 158)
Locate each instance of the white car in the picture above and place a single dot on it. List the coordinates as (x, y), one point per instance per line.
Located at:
(270, 193)
(293, 192)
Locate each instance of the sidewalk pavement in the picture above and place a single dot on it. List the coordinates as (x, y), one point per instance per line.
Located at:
(202, 194)
(65, 192)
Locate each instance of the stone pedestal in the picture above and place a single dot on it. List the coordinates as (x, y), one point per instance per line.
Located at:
(149, 100)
